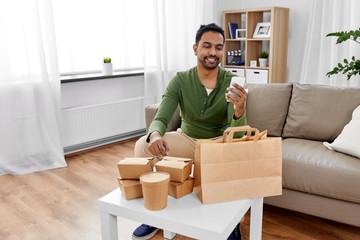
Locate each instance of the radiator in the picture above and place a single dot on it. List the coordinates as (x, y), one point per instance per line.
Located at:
(83, 125)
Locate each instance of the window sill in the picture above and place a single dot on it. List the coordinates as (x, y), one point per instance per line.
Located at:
(99, 76)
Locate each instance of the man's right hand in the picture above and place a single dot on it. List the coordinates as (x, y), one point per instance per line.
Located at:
(158, 147)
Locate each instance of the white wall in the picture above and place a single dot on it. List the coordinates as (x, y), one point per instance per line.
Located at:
(298, 22)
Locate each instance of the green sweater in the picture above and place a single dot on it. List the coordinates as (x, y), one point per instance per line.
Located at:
(202, 116)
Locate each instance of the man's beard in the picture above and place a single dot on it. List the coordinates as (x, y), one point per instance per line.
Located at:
(209, 65)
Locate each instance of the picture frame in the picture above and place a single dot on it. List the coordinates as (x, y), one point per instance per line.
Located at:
(262, 30)
(240, 33)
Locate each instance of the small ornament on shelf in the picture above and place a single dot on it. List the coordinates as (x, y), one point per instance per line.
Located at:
(234, 58)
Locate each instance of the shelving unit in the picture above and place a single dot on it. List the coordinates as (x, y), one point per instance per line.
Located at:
(250, 47)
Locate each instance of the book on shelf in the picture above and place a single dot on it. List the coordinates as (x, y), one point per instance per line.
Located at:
(232, 29)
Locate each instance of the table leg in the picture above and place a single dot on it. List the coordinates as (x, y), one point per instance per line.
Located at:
(256, 216)
(109, 229)
(169, 235)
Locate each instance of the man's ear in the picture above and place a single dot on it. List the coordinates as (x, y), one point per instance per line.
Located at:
(195, 49)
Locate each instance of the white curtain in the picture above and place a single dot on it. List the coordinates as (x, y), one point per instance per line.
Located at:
(169, 34)
(29, 88)
(322, 53)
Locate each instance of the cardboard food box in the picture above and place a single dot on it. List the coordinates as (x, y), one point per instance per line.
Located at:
(178, 168)
(131, 189)
(151, 160)
(132, 168)
(178, 190)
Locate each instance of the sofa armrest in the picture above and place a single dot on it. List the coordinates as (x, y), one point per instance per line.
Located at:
(150, 112)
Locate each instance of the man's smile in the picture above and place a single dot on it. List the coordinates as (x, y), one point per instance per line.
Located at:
(212, 59)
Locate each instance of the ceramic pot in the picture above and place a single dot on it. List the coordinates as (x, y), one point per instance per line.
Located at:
(263, 62)
(107, 68)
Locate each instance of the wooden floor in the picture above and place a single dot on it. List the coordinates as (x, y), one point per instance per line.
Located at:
(62, 204)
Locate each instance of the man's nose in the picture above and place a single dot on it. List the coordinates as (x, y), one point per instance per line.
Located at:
(212, 51)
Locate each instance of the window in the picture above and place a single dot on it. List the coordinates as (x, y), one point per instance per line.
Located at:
(89, 30)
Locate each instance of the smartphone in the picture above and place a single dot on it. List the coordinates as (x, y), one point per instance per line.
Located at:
(238, 80)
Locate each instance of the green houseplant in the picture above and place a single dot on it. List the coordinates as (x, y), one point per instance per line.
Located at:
(350, 67)
(107, 67)
(263, 58)
(107, 60)
(263, 54)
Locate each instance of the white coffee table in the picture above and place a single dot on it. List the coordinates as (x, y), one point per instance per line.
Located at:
(186, 216)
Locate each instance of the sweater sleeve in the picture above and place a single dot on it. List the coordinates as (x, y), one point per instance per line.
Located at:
(168, 105)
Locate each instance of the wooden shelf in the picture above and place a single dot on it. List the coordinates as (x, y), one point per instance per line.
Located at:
(260, 68)
(235, 40)
(257, 39)
(250, 47)
(234, 66)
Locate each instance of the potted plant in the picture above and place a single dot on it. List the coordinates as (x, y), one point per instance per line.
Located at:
(263, 58)
(107, 67)
(352, 67)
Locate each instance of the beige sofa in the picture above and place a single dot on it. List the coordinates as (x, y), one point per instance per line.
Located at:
(316, 180)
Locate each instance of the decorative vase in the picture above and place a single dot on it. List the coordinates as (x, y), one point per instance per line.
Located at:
(107, 69)
(263, 62)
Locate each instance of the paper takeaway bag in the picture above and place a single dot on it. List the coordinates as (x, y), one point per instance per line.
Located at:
(235, 169)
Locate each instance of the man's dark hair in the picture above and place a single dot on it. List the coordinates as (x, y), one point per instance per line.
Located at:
(212, 27)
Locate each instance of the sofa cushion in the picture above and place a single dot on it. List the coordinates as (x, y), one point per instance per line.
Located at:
(308, 166)
(348, 140)
(319, 112)
(267, 106)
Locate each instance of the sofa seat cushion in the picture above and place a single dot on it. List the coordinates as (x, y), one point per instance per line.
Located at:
(308, 166)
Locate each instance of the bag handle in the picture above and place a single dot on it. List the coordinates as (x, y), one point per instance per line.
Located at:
(262, 135)
(247, 128)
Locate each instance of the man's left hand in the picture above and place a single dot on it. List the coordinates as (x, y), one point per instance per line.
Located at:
(238, 101)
